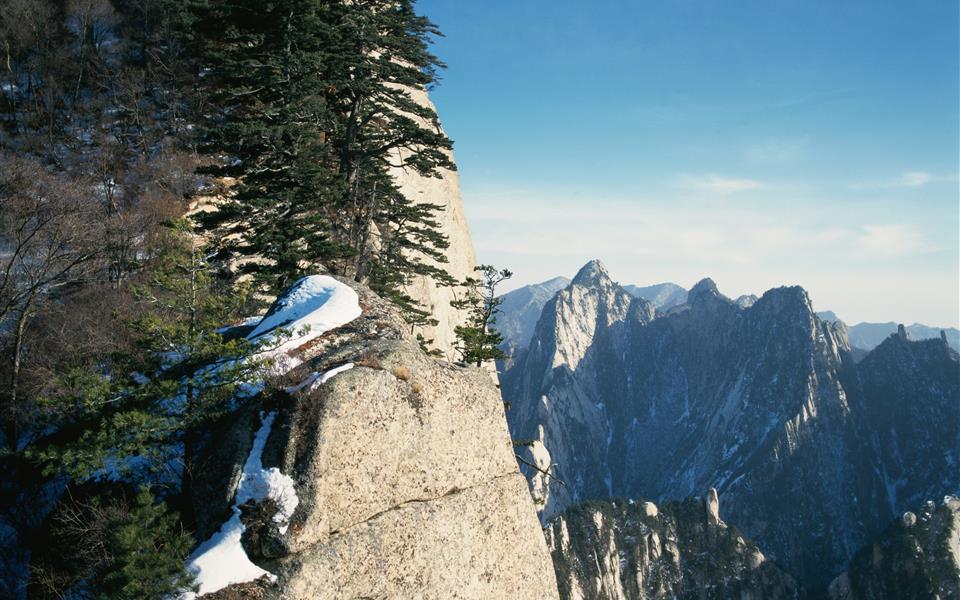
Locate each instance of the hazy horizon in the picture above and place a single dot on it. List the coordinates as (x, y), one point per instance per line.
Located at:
(759, 144)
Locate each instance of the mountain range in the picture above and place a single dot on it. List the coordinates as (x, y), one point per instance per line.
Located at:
(812, 452)
(521, 308)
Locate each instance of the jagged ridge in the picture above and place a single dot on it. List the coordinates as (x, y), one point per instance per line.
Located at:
(761, 400)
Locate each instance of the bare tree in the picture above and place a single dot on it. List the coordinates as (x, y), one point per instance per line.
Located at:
(50, 237)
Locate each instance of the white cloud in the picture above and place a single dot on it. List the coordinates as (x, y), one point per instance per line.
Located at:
(890, 240)
(916, 178)
(723, 185)
(843, 253)
(909, 179)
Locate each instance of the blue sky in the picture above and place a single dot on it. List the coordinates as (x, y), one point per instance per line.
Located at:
(758, 142)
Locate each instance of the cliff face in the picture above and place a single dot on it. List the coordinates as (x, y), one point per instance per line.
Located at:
(631, 550)
(758, 399)
(444, 191)
(403, 471)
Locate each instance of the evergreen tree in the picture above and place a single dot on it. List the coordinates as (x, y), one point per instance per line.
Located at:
(479, 340)
(384, 59)
(267, 123)
(147, 552)
(311, 109)
(109, 545)
(185, 373)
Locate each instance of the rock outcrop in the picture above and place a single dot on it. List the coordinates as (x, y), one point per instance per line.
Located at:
(404, 473)
(623, 550)
(442, 190)
(811, 452)
(918, 557)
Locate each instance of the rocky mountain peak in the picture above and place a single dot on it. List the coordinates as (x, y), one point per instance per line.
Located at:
(705, 288)
(700, 398)
(712, 504)
(637, 550)
(789, 304)
(593, 274)
(789, 295)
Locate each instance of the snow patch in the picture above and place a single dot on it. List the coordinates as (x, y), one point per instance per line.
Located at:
(316, 379)
(221, 560)
(311, 307)
(318, 301)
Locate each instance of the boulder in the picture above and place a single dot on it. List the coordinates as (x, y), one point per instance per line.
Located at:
(405, 475)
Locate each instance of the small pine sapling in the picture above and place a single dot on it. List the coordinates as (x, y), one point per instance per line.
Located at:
(478, 339)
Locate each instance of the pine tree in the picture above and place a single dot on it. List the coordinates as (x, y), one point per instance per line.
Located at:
(268, 118)
(311, 110)
(147, 552)
(185, 373)
(383, 58)
(479, 340)
(106, 542)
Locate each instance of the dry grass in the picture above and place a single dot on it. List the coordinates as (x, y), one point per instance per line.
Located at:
(401, 372)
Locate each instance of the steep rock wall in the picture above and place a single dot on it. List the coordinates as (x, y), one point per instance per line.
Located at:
(461, 260)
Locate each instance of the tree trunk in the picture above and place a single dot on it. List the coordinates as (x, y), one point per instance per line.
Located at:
(13, 432)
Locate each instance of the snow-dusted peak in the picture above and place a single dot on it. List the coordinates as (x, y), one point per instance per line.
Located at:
(592, 274)
(789, 299)
(571, 319)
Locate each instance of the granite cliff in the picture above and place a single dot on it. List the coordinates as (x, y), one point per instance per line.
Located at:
(402, 469)
(761, 400)
(635, 550)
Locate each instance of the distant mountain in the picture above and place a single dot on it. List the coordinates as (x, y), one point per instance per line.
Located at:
(869, 335)
(521, 308)
(828, 315)
(634, 550)
(663, 296)
(812, 453)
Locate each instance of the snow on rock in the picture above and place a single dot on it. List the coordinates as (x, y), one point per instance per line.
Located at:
(312, 306)
(316, 379)
(221, 560)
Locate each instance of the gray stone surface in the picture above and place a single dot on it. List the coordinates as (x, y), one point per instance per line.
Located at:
(405, 473)
(461, 260)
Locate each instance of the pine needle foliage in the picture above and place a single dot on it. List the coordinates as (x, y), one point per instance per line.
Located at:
(478, 340)
(147, 553)
(144, 414)
(312, 108)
